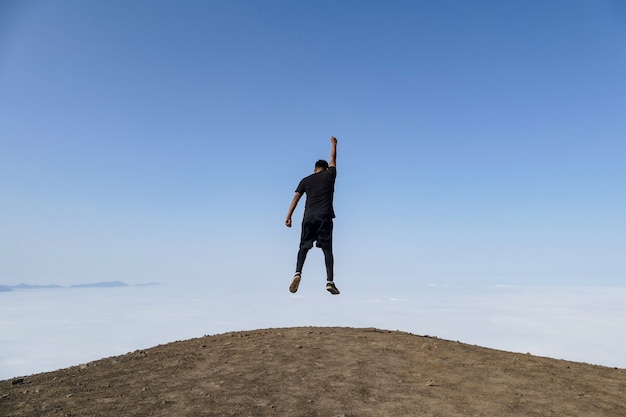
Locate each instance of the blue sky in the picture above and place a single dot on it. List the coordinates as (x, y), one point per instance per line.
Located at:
(479, 142)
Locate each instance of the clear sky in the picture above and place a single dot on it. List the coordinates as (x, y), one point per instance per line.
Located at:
(479, 142)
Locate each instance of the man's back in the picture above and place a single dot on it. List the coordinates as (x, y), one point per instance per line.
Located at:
(319, 189)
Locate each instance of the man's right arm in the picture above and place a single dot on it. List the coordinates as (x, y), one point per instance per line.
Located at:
(333, 152)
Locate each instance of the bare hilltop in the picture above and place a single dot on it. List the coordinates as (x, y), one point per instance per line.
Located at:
(313, 371)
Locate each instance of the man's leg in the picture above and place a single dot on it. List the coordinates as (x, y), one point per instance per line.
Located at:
(306, 243)
(301, 258)
(329, 261)
(328, 257)
(325, 241)
(295, 282)
(307, 237)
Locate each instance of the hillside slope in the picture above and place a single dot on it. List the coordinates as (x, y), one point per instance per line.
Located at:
(319, 372)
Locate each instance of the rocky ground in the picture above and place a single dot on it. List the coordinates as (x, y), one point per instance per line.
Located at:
(319, 372)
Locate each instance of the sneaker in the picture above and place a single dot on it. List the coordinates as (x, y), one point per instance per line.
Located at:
(295, 283)
(330, 287)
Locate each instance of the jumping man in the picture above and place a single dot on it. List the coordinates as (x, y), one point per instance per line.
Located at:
(317, 224)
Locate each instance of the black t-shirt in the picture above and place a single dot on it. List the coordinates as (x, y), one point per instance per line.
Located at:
(319, 189)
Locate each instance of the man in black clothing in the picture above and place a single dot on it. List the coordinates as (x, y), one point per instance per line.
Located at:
(317, 224)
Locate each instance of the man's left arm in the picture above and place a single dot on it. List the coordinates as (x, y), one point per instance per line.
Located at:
(292, 208)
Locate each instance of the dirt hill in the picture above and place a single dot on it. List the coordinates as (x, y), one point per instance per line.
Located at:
(320, 372)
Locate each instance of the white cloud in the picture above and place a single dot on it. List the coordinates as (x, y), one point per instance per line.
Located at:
(44, 330)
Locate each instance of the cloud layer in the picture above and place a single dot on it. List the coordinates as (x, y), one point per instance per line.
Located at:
(48, 329)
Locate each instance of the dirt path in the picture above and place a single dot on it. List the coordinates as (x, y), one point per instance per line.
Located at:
(320, 372)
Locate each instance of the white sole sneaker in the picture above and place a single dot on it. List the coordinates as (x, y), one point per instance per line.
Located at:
(330, 287)
(295, 283)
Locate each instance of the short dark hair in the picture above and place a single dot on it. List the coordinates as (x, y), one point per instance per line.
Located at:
(321, 164)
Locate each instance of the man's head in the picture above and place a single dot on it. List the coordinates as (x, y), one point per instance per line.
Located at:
(320, 166)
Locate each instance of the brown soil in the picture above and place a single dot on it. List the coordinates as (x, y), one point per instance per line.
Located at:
(320, 372)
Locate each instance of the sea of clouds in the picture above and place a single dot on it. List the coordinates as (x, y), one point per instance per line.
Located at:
(48, 329)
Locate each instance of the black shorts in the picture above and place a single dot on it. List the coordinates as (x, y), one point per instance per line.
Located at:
(317, 229)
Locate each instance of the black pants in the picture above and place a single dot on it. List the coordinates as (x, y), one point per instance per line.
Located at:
(318, 229)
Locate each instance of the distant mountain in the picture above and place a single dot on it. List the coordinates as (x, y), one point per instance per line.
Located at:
(23, 286)
(111, 284)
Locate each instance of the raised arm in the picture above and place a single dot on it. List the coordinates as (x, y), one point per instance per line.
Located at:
(292, 207)
(333, 152)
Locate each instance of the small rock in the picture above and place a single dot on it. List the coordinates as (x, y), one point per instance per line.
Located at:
(17, 381)
(432, 383)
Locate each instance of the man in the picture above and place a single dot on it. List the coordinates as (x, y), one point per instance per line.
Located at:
(317, 224)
